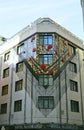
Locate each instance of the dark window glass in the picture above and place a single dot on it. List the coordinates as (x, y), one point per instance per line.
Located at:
(73, 86)
(72, 50)
(45, 59)
(17, 105)
(45, 80)
(73, 67)
(46, 39)
(5, 90)
(5, 72)
(6, 56)
(19, 66)
(20, 49)
(18, 85)
(74, 106)
(45, 102)
(4, 108)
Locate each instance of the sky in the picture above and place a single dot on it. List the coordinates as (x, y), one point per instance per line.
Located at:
(17, 14)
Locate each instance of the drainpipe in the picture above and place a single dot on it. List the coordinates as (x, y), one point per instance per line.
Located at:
(59, 88)
(11, 86)
(81, 91)
(66, 96)
(25, 94)
(31, 99)
(60, 101)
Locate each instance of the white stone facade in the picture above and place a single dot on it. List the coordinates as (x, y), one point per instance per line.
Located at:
(31, 90)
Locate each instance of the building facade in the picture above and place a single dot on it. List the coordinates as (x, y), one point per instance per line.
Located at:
(41, 78)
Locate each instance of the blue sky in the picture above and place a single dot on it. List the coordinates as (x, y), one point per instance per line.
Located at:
(17, 14)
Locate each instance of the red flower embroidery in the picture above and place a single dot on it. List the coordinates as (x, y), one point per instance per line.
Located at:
(37, 72)
(69, 54)
(56, 35)
(32, 38)
(49, 47)
(51, 71)
(29, 59)
(57, 52)
(63, 60)
(64, 42)
(42, 45)
(43, 66)
(34, 49)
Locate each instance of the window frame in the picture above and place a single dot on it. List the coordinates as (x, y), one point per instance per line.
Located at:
(6, 56)
(19, 85)
(74, 86)
(43, 82)
(45, 39)
(4, 90)
(72, 49)
(46, 100)
(4, 108)
(17, 105)
(18, 69)
(73, 67)
(4, 73)
(20, 48)
(48, 58)
(74, 106)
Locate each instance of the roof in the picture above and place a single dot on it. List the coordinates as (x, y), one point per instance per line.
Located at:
(42, 25)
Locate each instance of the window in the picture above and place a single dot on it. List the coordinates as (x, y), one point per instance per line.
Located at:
(45, 80)
(5, 72)
(45, 102)
(73, 86)
(4, 108)
(18, 85)
(18, 105)
(6, 56)
(20, 48)
(46, 39)
(45, 59)
(5, 90)
(19, 66)
(73, 67)
(74, 106)
(72, 50)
